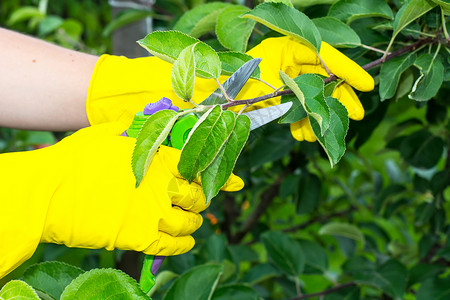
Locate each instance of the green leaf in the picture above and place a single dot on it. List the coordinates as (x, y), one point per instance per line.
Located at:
(285, 2)
(232, 61)
(204, 142)
(434, 289)
(316, 258)
(309, 91)
(288, 21)
(183, 73)
(421, 149)
(308, 194)
(259, 273)
(295, 113)
(124, 18)
(390, 74)
(168, 45)
(350, 10)
(17, 289)
(430, 79)
(154, 131)
(390, 278)
(201, 19)
(103, 284)
(342, 229)
(215, 176)
(285, 252)
(198, 283)
(333, 140)
(162, 278)
(51, 277)
(49, 24)
(410, 11)
(235, 292)
(24, 13)
(445, 5)
(233, 31)
(336, 33)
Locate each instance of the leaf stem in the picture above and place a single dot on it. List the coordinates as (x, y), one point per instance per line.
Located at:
(444, 27)
(373, 64)
(373, 49)
(266, 83)
(223, 91)
(324, 65)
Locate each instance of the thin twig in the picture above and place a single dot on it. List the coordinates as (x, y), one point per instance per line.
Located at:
(325, 292)
(373, 49)
(331, 78)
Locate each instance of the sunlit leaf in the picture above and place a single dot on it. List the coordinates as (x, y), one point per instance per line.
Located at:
(201, 19)
(215, 176)
(232, 61)
(342, 229)
(409, 12)
(104, 284)
(168, 45)
(336, 33)
(154, 131)
(288, 21)
(17, 289)
(183, 73)
(205, 141)
(233, 31)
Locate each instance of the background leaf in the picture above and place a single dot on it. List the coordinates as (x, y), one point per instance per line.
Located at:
(103, 284)
(350, 10)
(434, 288)
(183, 73)
(204, 142)
(409, 12)
(232, 61)
(51, 277)
(201, 19)
(153, 133)
(391, 72)
(288, 21)
(233, 31)
(215, 176)
(17, 289)
(342, 229)
(235, 292)
(200, 281)
(168, 45)
(336, 33)
(285, 252)
(430, 79)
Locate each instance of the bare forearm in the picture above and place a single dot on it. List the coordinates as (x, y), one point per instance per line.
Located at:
(42, 86)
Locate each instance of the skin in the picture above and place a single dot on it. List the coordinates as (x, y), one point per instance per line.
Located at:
(42, 86)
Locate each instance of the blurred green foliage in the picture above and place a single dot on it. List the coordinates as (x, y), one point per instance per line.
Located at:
(374, 227)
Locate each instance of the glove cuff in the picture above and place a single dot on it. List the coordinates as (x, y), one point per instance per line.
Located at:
(25, 193)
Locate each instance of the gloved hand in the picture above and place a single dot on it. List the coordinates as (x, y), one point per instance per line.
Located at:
(120, 87)
(81, 193)
(294, 59)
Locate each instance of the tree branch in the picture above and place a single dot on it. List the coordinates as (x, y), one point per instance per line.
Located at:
(325, 292)
(331, 78)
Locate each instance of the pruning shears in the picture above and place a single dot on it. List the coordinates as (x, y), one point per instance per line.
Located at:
(183, 126)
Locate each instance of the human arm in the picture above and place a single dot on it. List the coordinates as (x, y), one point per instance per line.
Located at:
(42, 86)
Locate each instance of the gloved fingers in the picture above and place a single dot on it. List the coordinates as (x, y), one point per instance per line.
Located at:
(302, 131)
(169, 245)
(187, 196)
(178, 222)
(347, 96)
(345, 68)
(233, 184)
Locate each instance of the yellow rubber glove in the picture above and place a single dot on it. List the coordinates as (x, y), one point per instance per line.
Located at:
(120, 87)
(81, 193)
(294, 59)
